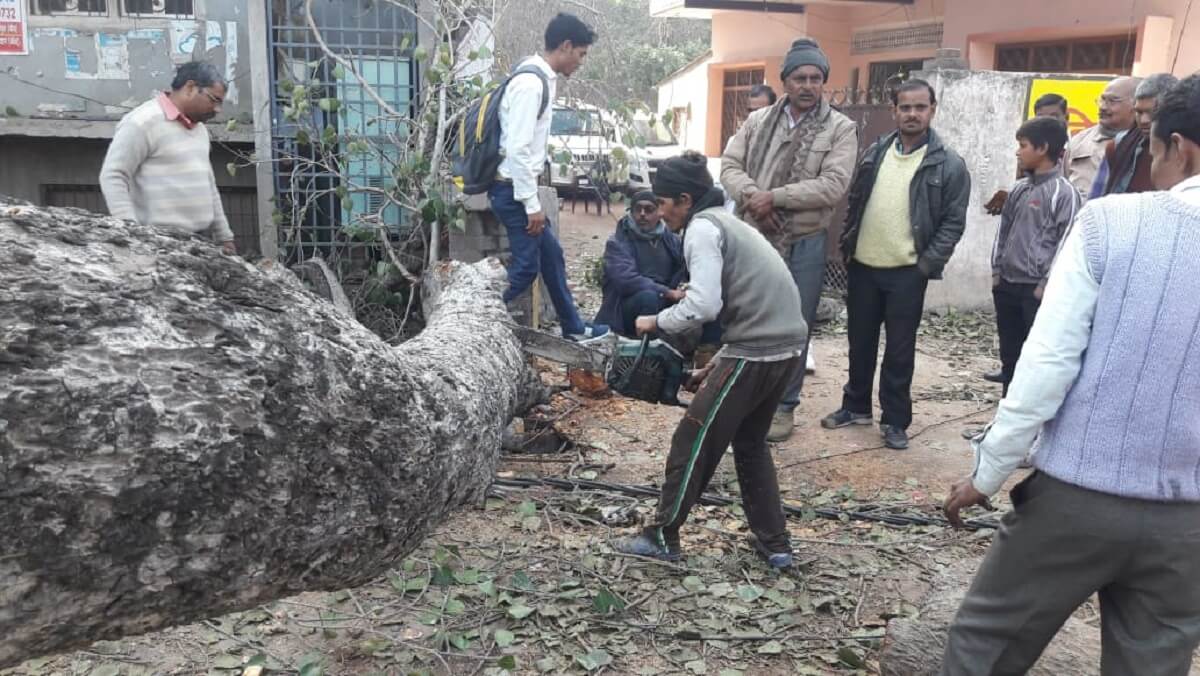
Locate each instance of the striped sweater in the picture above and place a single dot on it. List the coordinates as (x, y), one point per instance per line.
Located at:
(157, 172)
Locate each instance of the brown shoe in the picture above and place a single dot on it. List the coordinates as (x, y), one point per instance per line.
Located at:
(781, 426)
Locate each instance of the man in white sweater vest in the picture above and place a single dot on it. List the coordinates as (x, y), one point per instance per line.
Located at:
(157, 170)
(1109, 383)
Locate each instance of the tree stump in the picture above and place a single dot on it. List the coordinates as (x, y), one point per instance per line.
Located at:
(183, 434)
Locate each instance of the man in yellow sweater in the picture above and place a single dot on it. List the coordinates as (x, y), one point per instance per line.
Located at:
(907, 210)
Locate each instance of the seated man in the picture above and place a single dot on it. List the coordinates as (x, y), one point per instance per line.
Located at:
(643, 267)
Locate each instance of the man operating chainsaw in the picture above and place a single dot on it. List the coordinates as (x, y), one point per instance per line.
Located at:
(738, 277)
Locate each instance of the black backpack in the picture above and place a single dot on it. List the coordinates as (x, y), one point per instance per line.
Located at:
(476, 154)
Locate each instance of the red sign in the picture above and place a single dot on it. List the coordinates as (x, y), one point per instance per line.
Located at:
(14, 36)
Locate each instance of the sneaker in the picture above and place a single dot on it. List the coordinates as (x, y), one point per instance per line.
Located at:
(644, 546)
(589, 331)
(842, 418)
(781, 426)
(894, 437)
(994, 377)
(776, 560)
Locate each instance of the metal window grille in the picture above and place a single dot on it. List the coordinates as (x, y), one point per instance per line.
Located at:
(905, 37)
(160, 8)
(1113, 55)
(72, 7)
(86, 197)
(378, 39)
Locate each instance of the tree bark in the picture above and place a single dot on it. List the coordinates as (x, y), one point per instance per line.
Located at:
(183, 434)
(914, 646)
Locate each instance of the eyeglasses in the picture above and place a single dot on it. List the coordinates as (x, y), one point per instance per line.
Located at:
(216, 100)
(1110, 100)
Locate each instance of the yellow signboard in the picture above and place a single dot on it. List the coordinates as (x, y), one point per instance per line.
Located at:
(1081, 95)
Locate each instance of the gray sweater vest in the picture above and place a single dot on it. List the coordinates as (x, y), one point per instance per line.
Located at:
(760, 313)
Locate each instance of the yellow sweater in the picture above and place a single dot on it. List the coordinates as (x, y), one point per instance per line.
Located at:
(885, 237)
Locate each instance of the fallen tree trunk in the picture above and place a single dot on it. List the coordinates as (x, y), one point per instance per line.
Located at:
(914, 646)
(183, 434)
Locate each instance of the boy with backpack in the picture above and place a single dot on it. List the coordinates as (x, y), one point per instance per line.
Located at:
(1036, 215)
(524, 118)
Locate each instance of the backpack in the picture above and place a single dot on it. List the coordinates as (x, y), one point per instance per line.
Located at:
(476, 155)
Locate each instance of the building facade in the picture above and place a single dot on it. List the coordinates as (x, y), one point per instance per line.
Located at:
(88, 62)
(870, 42)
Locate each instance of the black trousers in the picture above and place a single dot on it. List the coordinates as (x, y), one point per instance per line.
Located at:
(893, 298)
(733, 407)
(1016, 309)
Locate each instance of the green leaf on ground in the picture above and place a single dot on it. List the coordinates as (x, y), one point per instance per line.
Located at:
(594, 660)
(771, 648)
(519, 611)
(504, 637)
(606, 602)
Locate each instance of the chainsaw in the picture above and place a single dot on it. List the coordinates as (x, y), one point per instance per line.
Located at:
(648, 369)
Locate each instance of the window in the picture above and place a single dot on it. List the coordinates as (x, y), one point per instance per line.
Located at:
(72, 7)
(165, 8)
(569, 122)
(735, 99)
(884, 72)
(1113, 55)
(915, 36)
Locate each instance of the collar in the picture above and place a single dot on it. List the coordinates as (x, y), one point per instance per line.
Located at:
(1187, 185)
(920, 144)
(541, 62)
(171, 112)
(1036, 178)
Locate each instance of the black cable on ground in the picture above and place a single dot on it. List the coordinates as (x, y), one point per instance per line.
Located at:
(562, 483)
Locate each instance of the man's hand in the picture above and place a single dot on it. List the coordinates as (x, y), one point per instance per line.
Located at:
(696, 379)
(996, 204)
(962, 494)
(229, 248)
(674, 295)
(537, 223)
(1039, 290)
(761, 204)
(646, 324)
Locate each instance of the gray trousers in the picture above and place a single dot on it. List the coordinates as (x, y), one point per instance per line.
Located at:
(1058, 546)
(806, 260)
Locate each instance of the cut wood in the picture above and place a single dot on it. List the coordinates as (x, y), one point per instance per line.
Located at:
(183, 434)
(914, 646)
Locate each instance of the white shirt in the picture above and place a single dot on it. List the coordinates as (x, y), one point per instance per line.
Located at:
(524, 135)
(702, 303)
(1050, 359)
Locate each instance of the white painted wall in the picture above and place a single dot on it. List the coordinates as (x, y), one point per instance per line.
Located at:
(688, 89)
(978, 116)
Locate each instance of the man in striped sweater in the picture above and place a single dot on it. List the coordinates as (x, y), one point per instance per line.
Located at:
(157, 170)
(1110, 377)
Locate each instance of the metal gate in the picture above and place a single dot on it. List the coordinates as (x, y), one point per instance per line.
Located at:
(378, 38)
(873, 120)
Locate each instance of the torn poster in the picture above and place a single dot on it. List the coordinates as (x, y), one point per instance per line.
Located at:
(113, 57)
(212, 35)
(14, 28)
(184, 37)
(231, 61)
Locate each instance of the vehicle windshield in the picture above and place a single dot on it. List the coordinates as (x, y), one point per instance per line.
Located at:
(567, 122)
(656, 133)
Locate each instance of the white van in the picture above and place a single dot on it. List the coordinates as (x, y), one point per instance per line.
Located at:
(582, 135)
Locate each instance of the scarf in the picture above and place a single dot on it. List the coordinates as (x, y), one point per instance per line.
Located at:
(801, 140)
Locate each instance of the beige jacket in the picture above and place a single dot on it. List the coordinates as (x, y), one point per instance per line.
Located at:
(1085, 151)
(806, 205)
